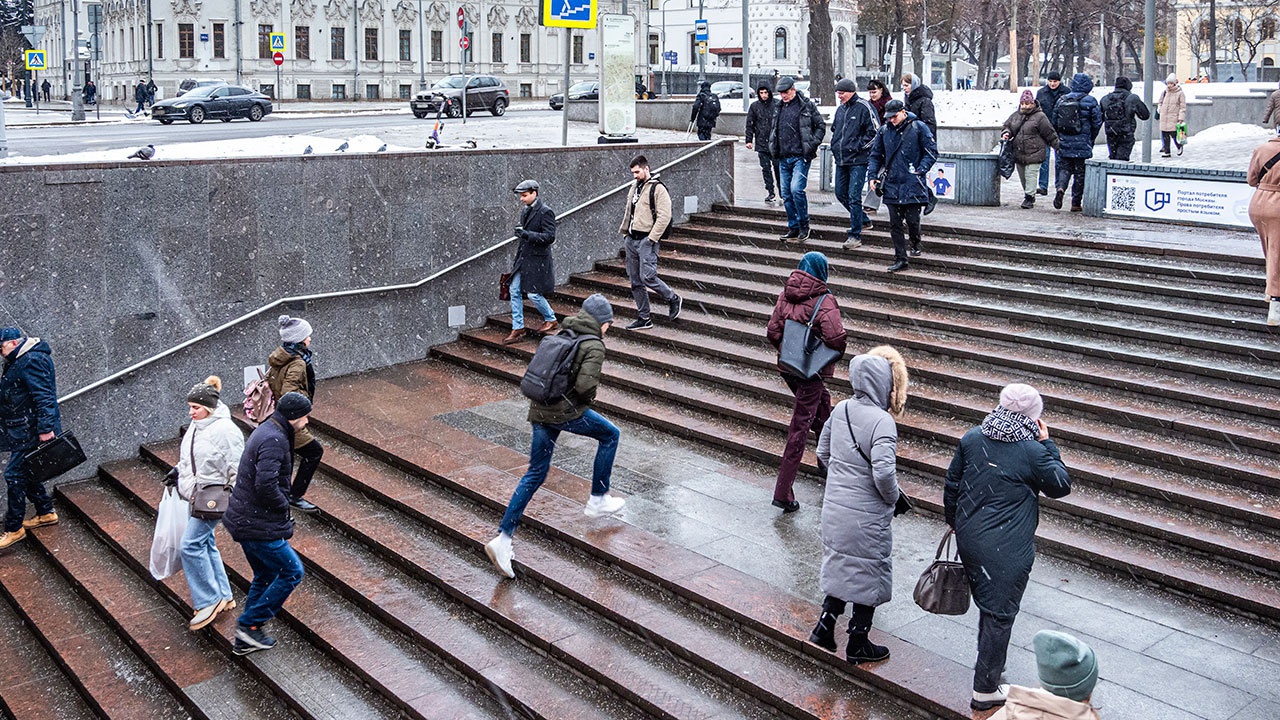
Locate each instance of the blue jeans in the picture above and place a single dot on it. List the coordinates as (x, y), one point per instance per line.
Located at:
(517, 305)
(794, 172)
(849, 181)
(202, 564)
(276, 572)
(22, 486)
(593, 425)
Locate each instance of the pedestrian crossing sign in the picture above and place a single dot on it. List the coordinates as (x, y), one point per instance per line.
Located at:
(277, 42)
(569, 14)
(35, 60)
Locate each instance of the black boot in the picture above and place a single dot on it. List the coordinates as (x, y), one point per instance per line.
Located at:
(1028, 202)
(824, 633)
(861, 649)
(1057, 199)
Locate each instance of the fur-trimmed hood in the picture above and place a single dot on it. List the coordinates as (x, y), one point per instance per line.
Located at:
(894, 398)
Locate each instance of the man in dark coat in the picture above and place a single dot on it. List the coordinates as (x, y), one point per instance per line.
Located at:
(1075, 145)
(797, 133)
(258, 517)
(29, 410)
(532, 273)
(905, 149)
(151, 91)
(140, 96)
(852, 132)
(706, 110)
(989, 499)
(44, 88)
(919, 101)
(1120, 107)
(759, 123)
(1048, 97)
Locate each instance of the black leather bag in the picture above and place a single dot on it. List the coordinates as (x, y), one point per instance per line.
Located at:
(943, 588)
(802, 352)
(55, 457)
(209, 500)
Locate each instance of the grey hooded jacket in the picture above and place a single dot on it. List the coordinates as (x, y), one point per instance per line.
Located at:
(857, 542)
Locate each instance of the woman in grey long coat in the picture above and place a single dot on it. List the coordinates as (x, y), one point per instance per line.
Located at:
(859, 447)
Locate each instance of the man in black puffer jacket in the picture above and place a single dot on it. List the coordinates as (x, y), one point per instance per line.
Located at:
(798, 129)
(258, 517)
(1120, 107)
(759, 123)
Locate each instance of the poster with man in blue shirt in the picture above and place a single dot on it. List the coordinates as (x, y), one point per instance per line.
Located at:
(941, 185)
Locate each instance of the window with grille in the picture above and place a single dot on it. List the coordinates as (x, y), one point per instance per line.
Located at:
(578, 41)
(339, 92)
(219, 40)
(371, 43)
(264, 41)
(406, 45)
(526, 47)
(302, 43)
(437, 46)
(304, 92)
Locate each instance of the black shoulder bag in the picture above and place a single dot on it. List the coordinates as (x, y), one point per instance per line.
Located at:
(210, 500)
(802, 353)
(903, 505)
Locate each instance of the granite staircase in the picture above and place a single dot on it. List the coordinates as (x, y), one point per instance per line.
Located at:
(1158, 372)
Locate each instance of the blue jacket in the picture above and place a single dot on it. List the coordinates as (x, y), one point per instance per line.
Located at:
(913, 152)
(28, 396)
(852, 132)
(1080, 145)
(259, 507)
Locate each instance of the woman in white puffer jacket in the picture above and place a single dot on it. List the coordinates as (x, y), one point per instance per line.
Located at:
(210, 453)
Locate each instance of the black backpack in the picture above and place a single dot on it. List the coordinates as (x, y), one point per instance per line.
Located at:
(653, 187)
(1113, 109)
(712, 106)
(1066, 117)
(550, 372)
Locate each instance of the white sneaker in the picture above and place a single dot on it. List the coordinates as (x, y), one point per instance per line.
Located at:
(986, 701)
(601, 505)
(1273, 313)
(205, 615)
(500, 554)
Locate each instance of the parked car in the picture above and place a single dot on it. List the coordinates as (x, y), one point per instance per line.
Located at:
(190, 83)
(803, 86)
(221, 102)
(588, 90)
(484, 92)
(727, 89)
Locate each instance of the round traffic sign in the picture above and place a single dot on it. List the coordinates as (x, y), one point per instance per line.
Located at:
(278, 58)
(464, 42)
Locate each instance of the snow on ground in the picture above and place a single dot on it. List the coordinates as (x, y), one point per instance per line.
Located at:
(222, 149)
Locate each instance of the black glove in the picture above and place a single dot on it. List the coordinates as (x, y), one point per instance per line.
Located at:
(903, 506)
(171, 480)
(520, 232)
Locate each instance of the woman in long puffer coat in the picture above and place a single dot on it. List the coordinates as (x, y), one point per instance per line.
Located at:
(209, 455)
(1030, 135)
(859, 446)
(1171, 110)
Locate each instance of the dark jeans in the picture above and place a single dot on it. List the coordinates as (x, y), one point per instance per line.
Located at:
(793, 174)
(276, 572)
(1071, 174)
(812, 408)
(140, 108)
(309, 459)
(1166, 137)
(22, 486)
(900, 215)
(993, 647)
(769, 169)
(862, 616)
(704, 132)
(849, 181)
(1119, 147)
(642, 271)
(593, 425)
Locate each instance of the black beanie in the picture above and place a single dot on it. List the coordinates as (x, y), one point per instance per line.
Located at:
(1124, 83)
(293, 406)
(206, 393)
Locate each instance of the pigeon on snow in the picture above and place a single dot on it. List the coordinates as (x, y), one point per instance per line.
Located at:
(144, 153)
(470, 144)
(383, 148)
(308, 150)
(343, 147)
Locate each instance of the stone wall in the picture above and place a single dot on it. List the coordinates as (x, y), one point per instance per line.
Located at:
(112, 263)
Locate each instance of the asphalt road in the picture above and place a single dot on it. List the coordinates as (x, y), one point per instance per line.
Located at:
(400, 125)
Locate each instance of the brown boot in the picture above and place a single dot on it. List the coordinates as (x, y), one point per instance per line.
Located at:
(516, 336)
(10, 538)
(41, 521)
(550, 327)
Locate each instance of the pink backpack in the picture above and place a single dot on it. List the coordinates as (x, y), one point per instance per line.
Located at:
(259, 403)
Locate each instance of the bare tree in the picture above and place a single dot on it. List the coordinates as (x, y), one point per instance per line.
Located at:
(821, 74)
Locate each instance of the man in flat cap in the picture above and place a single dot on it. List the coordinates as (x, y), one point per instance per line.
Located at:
(532, 273)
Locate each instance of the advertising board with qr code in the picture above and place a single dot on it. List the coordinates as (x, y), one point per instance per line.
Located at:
(1201, 202)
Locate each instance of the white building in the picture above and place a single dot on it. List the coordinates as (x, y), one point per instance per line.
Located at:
(375, 48)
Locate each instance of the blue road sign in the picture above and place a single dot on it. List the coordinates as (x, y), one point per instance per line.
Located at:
(35, 59)
(700, 31)
(569, 13)
(670, 56)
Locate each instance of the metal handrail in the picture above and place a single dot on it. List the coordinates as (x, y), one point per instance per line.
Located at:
(360, 291)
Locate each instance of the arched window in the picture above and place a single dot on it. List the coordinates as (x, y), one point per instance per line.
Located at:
(840, 60)
(780, 44)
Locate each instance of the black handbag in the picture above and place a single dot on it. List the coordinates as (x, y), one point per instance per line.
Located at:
(943, 588)
(55, 457)
(803, 353)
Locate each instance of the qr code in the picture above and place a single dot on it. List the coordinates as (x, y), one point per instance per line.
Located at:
(1123, 198)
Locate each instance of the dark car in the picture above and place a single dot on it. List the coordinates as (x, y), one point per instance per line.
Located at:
(727, 89)
(190, 83)
(577, 91)
(221, 102)
(484, 92)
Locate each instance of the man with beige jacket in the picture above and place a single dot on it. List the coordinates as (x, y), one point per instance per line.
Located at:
(645, 222)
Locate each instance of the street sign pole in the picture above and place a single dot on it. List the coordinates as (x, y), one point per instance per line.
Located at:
(463, 42)
(564, 106)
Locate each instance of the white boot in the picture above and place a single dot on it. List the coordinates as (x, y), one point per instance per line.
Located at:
(500, 554)
(1273, 313)
(601, 505)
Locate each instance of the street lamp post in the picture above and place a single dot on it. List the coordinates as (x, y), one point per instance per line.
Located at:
(665, 63)
(77, 77)
(422, 55)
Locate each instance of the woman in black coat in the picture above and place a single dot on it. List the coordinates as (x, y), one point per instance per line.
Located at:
(532, 272)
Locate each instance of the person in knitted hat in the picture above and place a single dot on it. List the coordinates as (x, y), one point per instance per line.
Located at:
(852, 131)
(290, 369)
(1068, 673)
(258, 517)
(1171, 110)
(1030, 134)
(570, 413)
(1121, 110)
(990, 500)
(209, 454)
(29, 409)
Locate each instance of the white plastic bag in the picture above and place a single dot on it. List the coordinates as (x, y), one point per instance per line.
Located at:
(171, 524)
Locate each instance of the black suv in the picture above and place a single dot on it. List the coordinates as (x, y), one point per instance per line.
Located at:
(484, 92)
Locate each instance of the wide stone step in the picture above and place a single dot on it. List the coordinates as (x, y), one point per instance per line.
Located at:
(1201, 575)
(110, 677)
(321, 665)
(34, 687)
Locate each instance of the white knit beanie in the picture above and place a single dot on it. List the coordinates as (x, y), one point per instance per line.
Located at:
(1023, 399)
